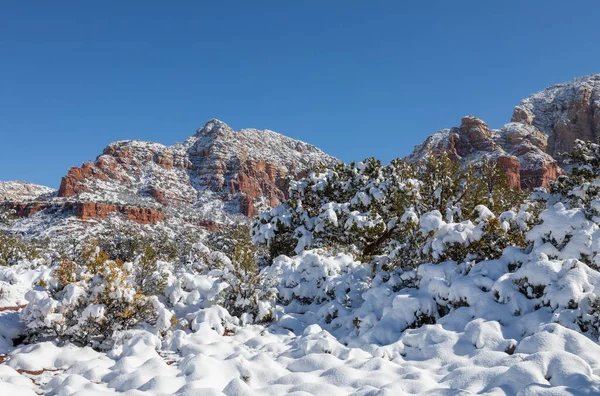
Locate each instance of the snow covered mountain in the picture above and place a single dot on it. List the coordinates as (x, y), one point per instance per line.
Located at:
(216, 176)
(507, 303)
(527, 148)
(519, 148)
(216, 170)
(564, 112)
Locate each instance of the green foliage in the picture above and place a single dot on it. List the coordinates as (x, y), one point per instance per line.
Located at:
(94, 297)
(6, 214)
(372, 210)
(126, 243)
(443, 184)
(490, 246)
(579, 187)
(244, 252)
(491, 188)
(148, 277)
(13, 249)
(246, 290)
(446, 187)
(590, 320)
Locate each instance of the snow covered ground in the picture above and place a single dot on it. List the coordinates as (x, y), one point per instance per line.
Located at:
(255, 361)
(431, 360)
(482, 347)
(526, 323)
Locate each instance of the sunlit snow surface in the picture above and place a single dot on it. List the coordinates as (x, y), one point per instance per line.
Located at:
(469, 351)
(502, 336)
(437, 360)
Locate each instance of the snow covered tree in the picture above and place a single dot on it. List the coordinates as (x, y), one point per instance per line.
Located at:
(126, 243)
(243, 291)
(351, 206)
(370, 210)
(6, 214)
(456, 191)
(491, 188)
(580, 187)
(148, 277)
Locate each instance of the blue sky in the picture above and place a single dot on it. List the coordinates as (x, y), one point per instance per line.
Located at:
(355, 78)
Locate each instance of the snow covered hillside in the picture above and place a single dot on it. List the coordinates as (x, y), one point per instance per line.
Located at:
(518, 315)
(216, 177)
(23, 191)
(512, 332)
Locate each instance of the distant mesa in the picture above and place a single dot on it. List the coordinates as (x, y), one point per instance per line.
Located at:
(23, 191)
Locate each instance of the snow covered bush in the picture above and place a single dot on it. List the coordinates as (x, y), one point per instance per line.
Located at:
(89, 302)
(245, 292)
(126, 243)
(314, 278)
(513, 268)
(484, 238)
(347, 207)
(149, 279)
(589, 319)
(580, 187)
(13, 249)
(232, 268)
(397, 211)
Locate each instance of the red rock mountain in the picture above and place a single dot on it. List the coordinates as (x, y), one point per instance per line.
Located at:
(527, 148)
(214, 172)
(517, 148)
(218, 174)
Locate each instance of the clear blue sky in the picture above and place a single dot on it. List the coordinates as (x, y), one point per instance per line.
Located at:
(356, 78)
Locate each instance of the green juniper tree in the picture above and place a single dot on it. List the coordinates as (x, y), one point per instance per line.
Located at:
(369, 209)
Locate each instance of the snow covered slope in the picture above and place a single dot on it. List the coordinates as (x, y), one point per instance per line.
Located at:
(519, 325)
(23, 191)
(217, 176)
(564, 112)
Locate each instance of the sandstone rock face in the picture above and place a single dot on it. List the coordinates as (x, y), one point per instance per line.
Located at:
(511, 166)
(216, 171)
(518, 148)
(87, 210)
(564, 112)
(142, 215)
(544, 125)
(26, 209)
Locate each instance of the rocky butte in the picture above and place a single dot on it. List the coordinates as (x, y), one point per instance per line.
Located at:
(527, 148)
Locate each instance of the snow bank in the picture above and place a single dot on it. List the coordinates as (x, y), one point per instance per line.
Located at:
(525, 323)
